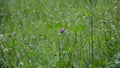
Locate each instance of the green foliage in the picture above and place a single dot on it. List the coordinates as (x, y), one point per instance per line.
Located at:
(30, 34)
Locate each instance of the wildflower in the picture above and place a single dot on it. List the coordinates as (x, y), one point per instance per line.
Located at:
(5, 49)
(20, 63)
(62, 30)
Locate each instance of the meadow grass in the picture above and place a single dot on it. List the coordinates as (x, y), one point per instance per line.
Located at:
(30, 35)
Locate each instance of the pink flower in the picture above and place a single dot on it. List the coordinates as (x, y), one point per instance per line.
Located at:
(62, 30)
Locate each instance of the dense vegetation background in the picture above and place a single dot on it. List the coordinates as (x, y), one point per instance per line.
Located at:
(30, 36)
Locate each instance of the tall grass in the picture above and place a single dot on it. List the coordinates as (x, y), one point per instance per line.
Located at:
(30, 36)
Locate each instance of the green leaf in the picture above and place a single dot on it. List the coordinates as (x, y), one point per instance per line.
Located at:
(78, 28)
(49, 25)
(61, 63)
(58, 25)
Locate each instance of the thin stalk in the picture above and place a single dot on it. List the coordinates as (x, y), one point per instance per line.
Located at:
(91, 28)
(61, 50)
(60, 54)
(110, 30)
(117, 13)
(91, 35)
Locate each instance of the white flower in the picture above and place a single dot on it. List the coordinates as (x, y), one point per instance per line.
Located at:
(20, 63)
(5, 49)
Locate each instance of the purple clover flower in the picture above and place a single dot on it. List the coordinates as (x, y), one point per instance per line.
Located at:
(62, 30)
